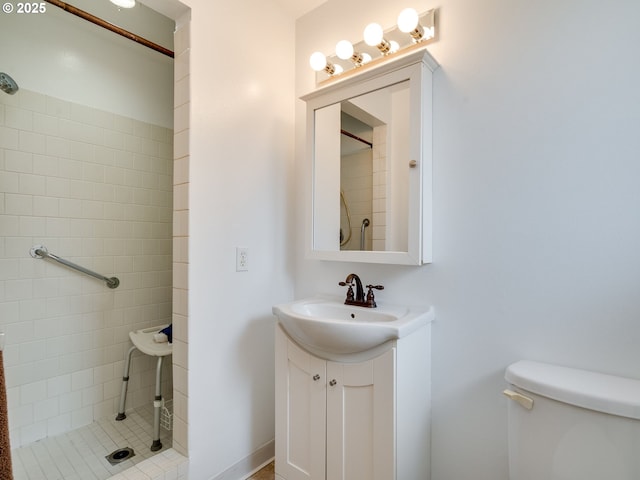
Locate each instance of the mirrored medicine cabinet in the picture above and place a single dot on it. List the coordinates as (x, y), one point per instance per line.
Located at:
(369, 140)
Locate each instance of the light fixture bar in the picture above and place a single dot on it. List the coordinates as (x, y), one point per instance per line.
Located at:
(413, 31)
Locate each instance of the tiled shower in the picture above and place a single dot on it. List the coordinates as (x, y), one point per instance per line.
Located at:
(94, 188)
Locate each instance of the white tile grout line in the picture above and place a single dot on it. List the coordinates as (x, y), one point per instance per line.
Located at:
(80, 454)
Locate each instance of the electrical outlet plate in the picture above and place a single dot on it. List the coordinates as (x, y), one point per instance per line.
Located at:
(242, 259)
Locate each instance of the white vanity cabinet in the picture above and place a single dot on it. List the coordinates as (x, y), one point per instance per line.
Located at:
(364, 416)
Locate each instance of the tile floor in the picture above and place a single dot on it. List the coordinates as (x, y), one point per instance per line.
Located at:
(80, 454)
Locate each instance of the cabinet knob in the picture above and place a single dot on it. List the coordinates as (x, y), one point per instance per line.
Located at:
(316, 377)
(333, 382)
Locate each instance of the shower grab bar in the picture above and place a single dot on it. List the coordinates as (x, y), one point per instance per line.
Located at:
(40, 251)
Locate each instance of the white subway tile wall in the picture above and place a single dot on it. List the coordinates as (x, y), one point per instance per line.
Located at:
(380, 186)
(181, 124)
(94, 188)
(356, 178)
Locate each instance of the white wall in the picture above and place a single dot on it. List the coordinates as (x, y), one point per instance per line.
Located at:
(240, 154)
(536, 227)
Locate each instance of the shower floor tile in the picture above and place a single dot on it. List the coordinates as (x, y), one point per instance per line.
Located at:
(80, 454)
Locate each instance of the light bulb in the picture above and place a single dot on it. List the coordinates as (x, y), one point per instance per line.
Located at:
(344, 49)
(373, 35)
(124, 3)
(394, 46)
(318, 61)
(408, 20)
(366, 58)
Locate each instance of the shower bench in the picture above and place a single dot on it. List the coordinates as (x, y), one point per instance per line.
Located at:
(143, 340)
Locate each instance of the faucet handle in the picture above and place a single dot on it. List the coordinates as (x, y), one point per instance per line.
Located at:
(350, 295)
(371, 302)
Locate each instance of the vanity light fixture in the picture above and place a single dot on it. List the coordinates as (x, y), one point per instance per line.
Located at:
(413, 30)
(124, 3)
(319, 62)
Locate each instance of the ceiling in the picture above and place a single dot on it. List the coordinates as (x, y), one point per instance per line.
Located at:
(297, 8)
(173, 9)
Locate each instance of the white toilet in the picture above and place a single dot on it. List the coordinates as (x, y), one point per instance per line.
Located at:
(569, 424)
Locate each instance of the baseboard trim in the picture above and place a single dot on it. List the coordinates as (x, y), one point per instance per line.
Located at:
(250, 464)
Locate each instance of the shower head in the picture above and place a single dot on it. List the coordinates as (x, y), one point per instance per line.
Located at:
(8, 84)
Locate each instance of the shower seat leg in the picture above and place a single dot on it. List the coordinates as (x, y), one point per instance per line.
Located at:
(125, 384)
(157, 405)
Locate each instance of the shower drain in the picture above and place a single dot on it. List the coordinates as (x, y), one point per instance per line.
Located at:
(120, 455)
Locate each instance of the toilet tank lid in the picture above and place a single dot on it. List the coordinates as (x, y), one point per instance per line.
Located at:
(595, 391)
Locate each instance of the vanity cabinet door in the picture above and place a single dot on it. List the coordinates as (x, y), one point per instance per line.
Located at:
(361, 419)
(300, 412)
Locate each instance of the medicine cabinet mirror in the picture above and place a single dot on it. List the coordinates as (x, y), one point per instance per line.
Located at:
(369, 141)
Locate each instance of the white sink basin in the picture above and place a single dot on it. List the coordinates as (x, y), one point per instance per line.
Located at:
(326, 324)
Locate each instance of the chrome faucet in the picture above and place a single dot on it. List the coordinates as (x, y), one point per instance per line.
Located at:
(359, 299)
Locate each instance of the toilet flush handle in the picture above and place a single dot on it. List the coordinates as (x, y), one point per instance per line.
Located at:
(523, 400)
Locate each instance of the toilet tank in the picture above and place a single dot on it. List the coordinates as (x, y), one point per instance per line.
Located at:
(580, 425)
